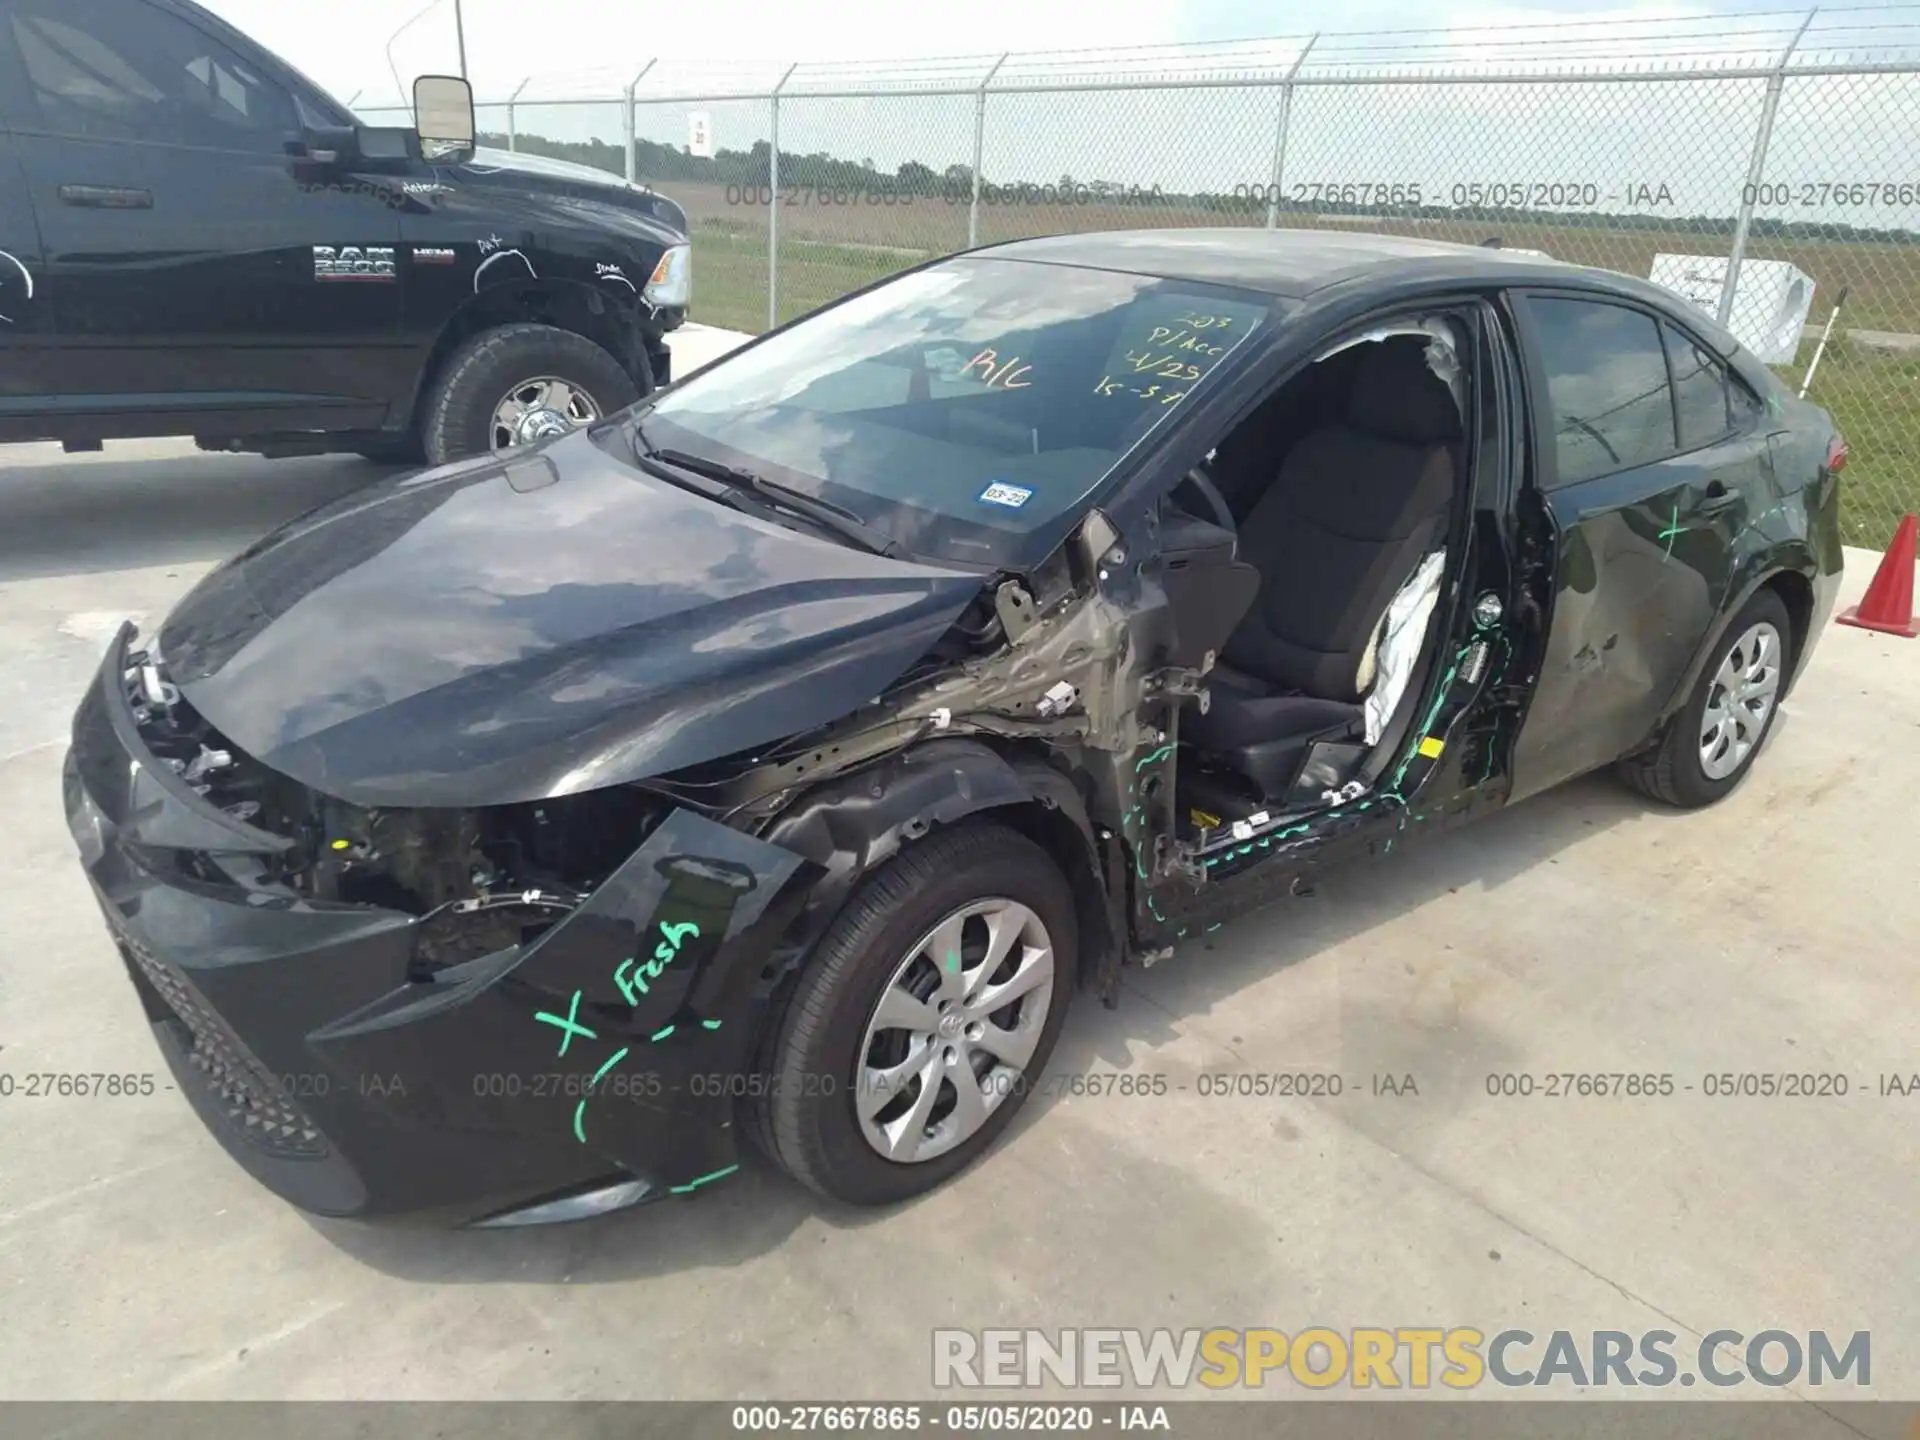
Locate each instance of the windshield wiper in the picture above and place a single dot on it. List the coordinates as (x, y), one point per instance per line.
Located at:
(844, 523)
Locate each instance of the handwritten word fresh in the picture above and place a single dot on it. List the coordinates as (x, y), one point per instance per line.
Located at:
(635, 984)
(633, 977)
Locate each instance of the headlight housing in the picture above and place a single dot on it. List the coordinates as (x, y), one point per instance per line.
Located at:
(671, 284)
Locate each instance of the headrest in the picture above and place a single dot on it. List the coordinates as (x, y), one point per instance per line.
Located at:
(1395, 396)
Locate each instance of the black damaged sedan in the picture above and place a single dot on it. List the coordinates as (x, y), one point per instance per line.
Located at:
(777, 759)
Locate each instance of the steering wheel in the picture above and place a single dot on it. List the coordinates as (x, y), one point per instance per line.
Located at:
(1216, 503)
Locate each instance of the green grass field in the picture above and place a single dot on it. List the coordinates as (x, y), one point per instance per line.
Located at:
(1873, 396)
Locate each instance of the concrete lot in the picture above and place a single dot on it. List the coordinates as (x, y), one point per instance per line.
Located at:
(1584, 930)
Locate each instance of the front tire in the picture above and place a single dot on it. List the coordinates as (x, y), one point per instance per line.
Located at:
(922, 1019)
(498, 377)
(1707, 749)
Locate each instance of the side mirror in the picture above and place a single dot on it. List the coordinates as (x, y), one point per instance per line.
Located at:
(443, 114)
(327, 144)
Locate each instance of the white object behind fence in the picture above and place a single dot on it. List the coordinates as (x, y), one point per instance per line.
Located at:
(1770, 304)
(700, 134)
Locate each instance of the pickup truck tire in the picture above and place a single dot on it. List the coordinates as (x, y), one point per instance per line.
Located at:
(457, 419)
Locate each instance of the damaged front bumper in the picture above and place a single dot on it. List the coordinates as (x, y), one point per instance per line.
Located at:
(594, 1066)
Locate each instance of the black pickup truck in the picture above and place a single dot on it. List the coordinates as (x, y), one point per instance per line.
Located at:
(195, 239)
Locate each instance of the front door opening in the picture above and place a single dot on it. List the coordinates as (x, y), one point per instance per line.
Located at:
(1344, 486)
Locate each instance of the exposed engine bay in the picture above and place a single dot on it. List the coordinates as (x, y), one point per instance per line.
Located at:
(481, 880)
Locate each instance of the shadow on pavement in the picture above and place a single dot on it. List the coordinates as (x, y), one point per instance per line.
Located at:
(151, 503)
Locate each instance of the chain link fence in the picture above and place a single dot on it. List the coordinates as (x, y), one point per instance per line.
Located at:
(1766, 165)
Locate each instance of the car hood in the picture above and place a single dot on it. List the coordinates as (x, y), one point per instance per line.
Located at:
(506, 630)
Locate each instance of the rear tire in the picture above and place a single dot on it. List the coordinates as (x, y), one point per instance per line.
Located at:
(822, 1041)
(1707, 749)
(458, 418)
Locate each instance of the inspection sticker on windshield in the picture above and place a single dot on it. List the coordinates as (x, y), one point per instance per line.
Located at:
(1001, 493)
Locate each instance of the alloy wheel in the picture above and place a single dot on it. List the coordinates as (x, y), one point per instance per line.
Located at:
(951, 1036)
(1740, 701)
(534, 409)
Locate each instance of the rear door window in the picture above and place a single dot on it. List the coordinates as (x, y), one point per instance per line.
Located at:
(1702, 402)
(1607, 388)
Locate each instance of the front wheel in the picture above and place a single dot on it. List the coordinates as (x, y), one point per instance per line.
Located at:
(1710, 745)
(923, 1018)
(519, 384)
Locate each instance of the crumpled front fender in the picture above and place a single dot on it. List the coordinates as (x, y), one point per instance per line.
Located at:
(625, 1028)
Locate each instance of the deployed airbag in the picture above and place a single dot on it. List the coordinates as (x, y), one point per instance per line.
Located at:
(1397, 643)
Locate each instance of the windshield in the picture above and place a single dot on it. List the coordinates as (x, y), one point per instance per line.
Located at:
(965, 410)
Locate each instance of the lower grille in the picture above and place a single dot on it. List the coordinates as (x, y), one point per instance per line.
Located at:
(259, 1110)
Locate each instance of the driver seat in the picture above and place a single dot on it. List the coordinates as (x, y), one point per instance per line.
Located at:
(1355, 507)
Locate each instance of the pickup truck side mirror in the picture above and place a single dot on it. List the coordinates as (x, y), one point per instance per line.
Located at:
(443, 114)
(327, 144)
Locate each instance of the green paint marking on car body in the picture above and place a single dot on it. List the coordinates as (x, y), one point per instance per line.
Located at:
(661, 1034)
(672, 938)
(570, 1025)
(612, 1061)
(1674, 527)
(704, 1180)
(580, 1122)
(1160, 754)
(709, 1024)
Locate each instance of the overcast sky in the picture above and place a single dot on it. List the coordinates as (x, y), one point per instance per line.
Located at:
(342, 44)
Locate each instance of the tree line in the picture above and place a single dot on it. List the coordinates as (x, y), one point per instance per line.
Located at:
(661, 164)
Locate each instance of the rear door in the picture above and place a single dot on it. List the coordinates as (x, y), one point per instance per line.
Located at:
(1648, 470)
(180, 245)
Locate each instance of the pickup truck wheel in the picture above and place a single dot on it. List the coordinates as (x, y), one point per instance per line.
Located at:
(518, 384)
(922, 1020)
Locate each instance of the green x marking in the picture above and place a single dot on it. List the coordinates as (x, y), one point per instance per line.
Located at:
(570, 1025)
(1674, 527)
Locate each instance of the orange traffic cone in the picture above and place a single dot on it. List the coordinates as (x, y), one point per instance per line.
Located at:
(1888, 604)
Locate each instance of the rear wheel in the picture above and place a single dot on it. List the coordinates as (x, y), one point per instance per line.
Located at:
(518, 384)
(922, 1018)
(1709, 746)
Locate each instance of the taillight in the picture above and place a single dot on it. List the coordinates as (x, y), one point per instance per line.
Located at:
(1836, 453)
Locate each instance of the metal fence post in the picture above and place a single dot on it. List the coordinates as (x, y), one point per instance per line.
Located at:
(513, 134)
(631, 128)
(979, 146)
(1756, 167)
(1280, 133)
(773, 201)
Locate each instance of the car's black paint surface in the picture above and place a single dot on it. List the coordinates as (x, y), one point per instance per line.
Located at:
(565, 610)
(191, 304)
(413, 644)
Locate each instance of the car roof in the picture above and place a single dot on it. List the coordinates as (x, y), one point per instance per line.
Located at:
(1278, 262)
(1296, 263)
